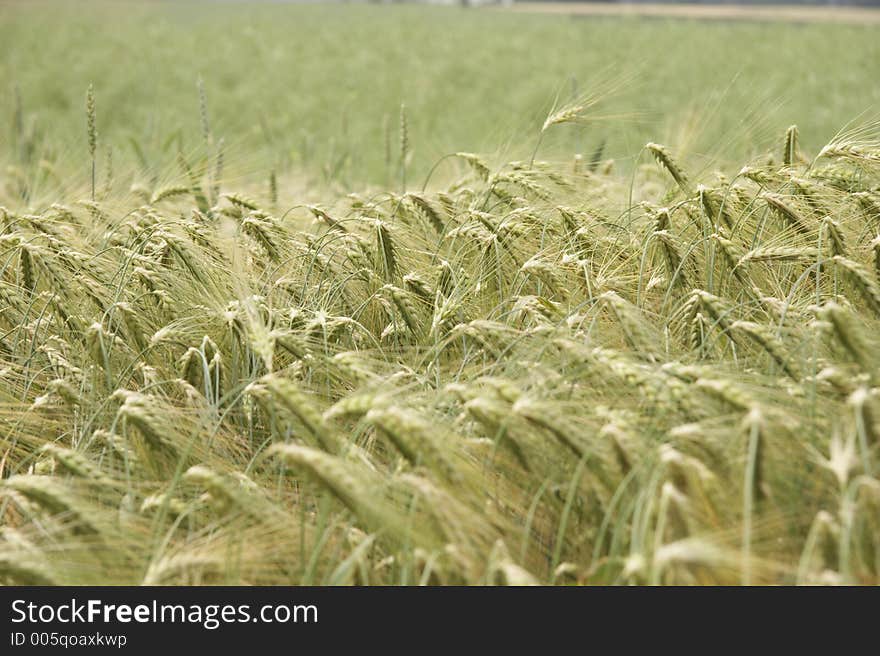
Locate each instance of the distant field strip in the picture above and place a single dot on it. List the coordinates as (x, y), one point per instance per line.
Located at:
(859, 15)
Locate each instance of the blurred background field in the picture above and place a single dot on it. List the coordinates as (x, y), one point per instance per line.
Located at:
(316, 89)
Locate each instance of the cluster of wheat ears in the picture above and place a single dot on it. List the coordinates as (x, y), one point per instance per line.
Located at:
(539, 373)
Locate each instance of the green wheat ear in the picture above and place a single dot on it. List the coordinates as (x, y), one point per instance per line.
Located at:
(273, 189)
(203, 111)
(92, 131)
(665, 159)
(789, 150)
(404, 147)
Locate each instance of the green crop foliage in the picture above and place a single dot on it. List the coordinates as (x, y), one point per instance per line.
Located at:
(589, 310)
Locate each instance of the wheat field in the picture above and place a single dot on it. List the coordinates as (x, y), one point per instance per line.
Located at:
(580, 355)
